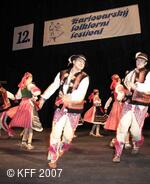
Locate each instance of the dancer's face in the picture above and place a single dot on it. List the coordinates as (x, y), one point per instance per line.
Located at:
(29, 80)
(140, 63)
(79, 63)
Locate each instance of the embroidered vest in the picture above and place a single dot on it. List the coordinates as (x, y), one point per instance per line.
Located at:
(26, 93)
(140, 98)
(73, 85)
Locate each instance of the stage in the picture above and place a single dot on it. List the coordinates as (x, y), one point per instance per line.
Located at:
(89, 161)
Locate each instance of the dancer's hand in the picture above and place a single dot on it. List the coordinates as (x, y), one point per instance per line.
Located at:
(66, 99)
(41, 102)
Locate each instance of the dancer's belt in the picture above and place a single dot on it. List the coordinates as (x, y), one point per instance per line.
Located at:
(141, 98)
(71, 105)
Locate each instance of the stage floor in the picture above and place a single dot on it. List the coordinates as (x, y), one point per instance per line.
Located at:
(89, 161)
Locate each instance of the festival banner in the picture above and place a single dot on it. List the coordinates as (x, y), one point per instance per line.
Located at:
(92, 26)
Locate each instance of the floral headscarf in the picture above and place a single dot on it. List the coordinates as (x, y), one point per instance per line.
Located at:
(22, 84)
(115, 78)
(92, 94)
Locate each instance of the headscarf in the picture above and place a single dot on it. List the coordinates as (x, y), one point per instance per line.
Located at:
(22, 84)
(115, 78)
(92, 94)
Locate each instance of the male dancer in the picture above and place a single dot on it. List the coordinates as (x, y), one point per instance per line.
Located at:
(73, 84)
(135, 108)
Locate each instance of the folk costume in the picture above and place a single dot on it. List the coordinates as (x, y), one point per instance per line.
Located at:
(135, 108)
(26, 115)
(68, 112)
(119, 94)
(95, 114)
(114, 116)
(4, 107)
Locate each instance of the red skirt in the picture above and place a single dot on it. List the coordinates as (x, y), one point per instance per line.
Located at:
(12, 111)
(92, 116)
(114, 116)
(23, 115)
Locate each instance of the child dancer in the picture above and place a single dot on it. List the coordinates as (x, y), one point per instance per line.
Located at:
(95, 114)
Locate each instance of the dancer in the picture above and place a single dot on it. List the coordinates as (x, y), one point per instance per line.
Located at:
(95, 114)
(135, 108)
(5, 104)
(5, 95)
(73, 84)
(26, 115)
(114, 116)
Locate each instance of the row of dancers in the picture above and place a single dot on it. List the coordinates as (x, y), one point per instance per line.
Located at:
(130, 107)
(129, 110)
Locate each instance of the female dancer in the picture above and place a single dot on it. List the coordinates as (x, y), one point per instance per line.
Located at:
(4, 107)
(113, 119)
(95, 114)
(26, 115)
